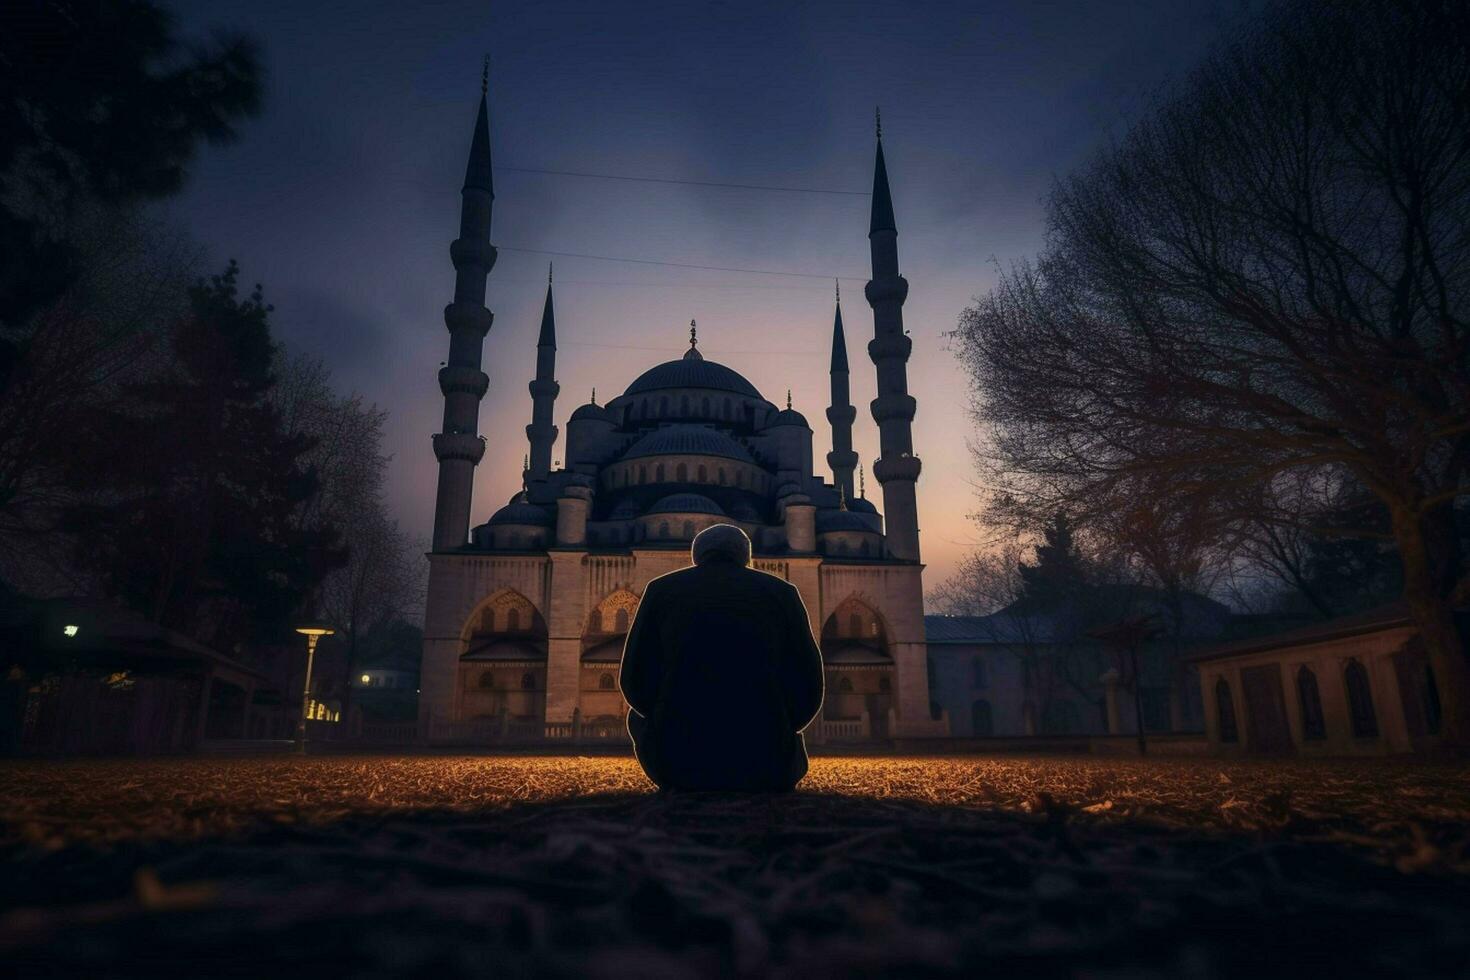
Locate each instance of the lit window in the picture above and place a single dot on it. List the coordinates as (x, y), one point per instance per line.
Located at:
(71, 630)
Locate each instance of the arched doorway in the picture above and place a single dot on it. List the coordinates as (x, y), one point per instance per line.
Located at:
(502, 644)
(859, 665)
(599, 698)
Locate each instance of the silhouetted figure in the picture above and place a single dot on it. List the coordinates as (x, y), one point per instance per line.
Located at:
(722, 673)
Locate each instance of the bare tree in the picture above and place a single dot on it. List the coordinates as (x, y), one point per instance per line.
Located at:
(1268, 275)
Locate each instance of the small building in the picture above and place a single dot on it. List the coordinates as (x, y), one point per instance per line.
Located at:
(1357, 685)
(83, 677)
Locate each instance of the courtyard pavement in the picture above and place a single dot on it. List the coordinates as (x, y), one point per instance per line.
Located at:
(891, 866)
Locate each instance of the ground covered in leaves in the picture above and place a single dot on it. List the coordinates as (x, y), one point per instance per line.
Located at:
(563, 866)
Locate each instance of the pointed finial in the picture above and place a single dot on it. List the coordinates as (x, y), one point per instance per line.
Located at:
(485, 76)
(526, 462)
(878, 120)
(837, 288)
(548, 273)
(788, 399)
(693, 336)
(862, 483)
(841, 498)
(594, 396)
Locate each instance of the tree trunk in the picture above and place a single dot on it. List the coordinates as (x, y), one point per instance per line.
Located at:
(1428, 549)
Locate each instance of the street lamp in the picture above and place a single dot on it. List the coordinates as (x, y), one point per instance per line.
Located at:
(312, 634)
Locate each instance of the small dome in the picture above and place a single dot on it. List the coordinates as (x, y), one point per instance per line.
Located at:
(688, 440)
(743, 510)
(624, 510)
(591, 412)
(862, 505)
(686, 503)
(842, 520)
(788, 416)
(692, 372)
(521, 512)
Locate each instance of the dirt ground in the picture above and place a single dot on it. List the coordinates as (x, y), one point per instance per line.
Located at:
(892, 866)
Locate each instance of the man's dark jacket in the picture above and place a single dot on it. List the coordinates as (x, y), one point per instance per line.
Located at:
(722, 673)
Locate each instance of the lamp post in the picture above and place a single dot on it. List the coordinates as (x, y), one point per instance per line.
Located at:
(312, 634)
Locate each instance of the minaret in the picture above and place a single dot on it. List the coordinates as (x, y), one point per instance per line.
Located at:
(458, 447)
(544, 389)
(897, 468)
(841, 413)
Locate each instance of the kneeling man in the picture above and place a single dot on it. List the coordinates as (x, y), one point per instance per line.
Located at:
(721, 673)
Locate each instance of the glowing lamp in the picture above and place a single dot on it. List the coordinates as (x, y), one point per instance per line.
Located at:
(71, 630)
(365, 678)
(312, 632)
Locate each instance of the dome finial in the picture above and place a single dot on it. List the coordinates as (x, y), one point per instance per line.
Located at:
(594, 396)
(788, 399)
(837, 288)
(878, 120)
(549, 267)
(485, 76)
(862, 483)
(693, 334)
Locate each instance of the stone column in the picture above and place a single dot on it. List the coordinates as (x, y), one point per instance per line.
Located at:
(566, 618)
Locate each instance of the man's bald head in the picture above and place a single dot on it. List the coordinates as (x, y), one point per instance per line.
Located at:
(721, 542)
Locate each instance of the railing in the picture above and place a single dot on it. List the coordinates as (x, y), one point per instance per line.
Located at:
(389, 733)
(825, 730)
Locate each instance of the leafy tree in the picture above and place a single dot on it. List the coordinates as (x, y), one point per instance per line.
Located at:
(199, 527)
(100, 104)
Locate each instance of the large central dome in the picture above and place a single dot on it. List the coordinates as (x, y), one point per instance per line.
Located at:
(692, 372)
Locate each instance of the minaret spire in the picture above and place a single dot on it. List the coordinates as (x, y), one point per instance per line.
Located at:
(693, 354)
(840, 414)
(457, 445)
(897, 468)
(544, 389)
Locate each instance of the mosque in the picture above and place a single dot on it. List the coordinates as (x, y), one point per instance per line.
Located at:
(527, 612)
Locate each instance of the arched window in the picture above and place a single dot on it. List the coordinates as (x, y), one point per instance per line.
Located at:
(722, 476)
(663, 405)
(663, 529)
(1313, 724)
(643, 412)
(1360, 700)
(681, 473)
(703, 474)
(658, 473)
(981, 722)
(885, 684)
(688, 529)
(854, 624)
(606, 682)
(528, 682)
(1225, 707)
(726, 412)
(513, 620)
(704, 406)
(487, 621)
(740, 478)
(844, 684)
(642, 473)
(977, 672)
(684, 405)
(620, 621)
(487, 679)
(863, 549)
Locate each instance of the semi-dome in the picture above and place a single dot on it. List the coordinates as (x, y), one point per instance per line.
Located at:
(623, 510)
(593, 412)
(521, 512)
(788, 416)
(842, 520)
(692, 372)
(686, 503)
(688, 440)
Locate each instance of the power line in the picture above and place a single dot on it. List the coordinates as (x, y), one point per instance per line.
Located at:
(680, 265)
(541, 281)
(675, 350)
(693, 183)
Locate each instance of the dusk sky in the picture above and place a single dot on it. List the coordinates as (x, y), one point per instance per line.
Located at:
(343, 198)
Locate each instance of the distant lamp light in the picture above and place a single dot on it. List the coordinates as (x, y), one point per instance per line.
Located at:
(71, 629)
(366, 678)
(312, 632)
